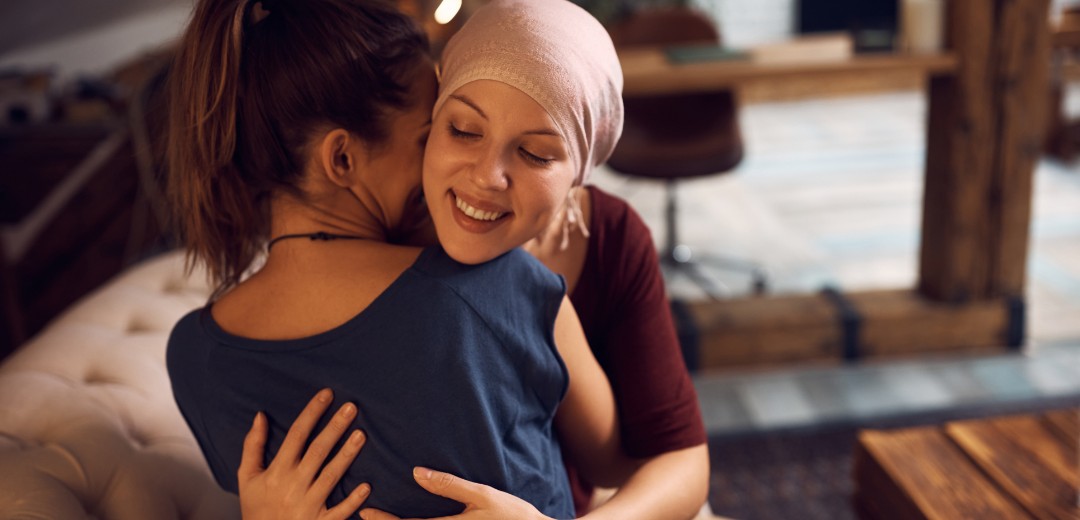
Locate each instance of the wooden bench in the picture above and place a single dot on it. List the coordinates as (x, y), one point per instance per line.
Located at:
(1021, 467)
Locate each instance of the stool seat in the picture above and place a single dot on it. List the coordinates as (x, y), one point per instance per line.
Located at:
(644, 152)
(679, 136)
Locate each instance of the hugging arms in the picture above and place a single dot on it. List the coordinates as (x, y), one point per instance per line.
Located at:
(508, 150)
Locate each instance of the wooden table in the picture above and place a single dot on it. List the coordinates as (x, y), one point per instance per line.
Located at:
(647, 70)
(1020, 467)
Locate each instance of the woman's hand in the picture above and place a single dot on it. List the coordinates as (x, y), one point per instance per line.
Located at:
(481, 502)
(292, 487)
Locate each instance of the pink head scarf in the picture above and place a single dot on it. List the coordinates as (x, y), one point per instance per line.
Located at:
(557, 54)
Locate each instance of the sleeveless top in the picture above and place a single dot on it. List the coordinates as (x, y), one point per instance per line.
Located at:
(453, 367)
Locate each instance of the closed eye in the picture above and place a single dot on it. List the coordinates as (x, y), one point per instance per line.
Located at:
(461, 134)
(535, 159)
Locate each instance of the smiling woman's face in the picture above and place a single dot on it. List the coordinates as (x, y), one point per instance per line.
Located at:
(496, 171)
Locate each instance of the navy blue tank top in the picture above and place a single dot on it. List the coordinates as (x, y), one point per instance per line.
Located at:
(452, 367)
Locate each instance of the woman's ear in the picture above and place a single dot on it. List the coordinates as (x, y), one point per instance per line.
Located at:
(340, 157)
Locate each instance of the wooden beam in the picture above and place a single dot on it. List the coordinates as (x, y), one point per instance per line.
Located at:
(766, 330)
(985, 134)
(807, 328)
(1022, 80)
(902, 322)
(960, 140)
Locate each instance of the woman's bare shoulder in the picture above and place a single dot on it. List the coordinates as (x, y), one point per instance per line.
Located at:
(295, 297)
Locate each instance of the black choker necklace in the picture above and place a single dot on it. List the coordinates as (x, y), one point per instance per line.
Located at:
(321, 235)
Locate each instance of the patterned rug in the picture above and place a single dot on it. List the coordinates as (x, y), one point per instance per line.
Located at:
(806, 474)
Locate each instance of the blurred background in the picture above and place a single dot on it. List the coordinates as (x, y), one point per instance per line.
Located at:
(817, 188)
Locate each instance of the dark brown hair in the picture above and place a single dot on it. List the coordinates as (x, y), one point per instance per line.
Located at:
(247, 94)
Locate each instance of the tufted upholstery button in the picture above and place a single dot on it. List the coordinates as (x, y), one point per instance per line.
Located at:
(96, 379)
(88, 425)
(136, 326)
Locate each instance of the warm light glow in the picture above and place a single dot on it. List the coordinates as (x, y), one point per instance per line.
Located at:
(447, 10)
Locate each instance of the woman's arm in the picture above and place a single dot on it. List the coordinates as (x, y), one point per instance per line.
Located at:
(587, 420)
(669, 485)
(622, 298)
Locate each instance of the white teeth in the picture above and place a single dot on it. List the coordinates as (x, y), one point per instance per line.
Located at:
(475, 213)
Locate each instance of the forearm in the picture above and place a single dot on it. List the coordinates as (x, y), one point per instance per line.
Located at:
(672, 485)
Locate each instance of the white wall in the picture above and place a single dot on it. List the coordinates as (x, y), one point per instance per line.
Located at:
(745, 23)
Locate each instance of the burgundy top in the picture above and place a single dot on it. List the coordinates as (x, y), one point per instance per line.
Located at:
(624, 310)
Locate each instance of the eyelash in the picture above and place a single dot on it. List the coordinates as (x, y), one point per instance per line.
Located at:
(525, 154)
(460, 134)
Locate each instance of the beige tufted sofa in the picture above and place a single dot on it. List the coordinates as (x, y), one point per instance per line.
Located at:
(88, 425)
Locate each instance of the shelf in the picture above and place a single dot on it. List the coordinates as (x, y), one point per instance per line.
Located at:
(646, 71)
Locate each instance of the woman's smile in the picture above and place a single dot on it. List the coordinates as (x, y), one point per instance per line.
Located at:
(475, 215)
(478, 210)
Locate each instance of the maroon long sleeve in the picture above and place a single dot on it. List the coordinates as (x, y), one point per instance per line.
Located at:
(624, 310)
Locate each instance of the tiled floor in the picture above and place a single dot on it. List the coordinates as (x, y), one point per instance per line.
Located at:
(830, 193)
(800, 398)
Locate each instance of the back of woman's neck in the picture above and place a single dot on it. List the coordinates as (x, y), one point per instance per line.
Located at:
(291, 217)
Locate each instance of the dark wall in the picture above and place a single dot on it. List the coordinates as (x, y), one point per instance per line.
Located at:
(873, 23)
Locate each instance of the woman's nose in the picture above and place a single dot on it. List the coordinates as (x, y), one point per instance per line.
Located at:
(490, 173)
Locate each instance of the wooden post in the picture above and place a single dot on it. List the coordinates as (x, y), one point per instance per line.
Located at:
(1022, 79)
(959, 155)
(984, 136)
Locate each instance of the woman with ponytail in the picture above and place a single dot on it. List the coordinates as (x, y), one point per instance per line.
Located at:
(249, 93)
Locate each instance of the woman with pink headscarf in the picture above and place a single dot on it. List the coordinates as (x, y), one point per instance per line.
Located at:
(529, 104)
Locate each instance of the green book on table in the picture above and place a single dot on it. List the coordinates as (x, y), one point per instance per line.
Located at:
(696, 53)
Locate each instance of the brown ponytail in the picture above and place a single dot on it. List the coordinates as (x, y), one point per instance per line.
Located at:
(245, 97)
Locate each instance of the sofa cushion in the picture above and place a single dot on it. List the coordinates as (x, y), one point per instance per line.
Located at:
(88, 425)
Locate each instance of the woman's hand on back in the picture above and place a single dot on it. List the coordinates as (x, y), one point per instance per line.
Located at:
(293, 487)
(481, 502)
